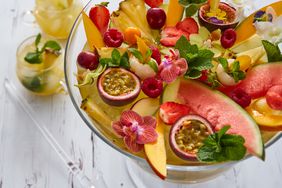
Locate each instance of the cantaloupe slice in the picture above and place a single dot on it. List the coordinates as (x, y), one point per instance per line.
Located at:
(94, 37)
(174, 13)
(156, 152)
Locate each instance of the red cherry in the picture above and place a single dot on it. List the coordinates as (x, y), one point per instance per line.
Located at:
(88, 60)
(154, 3)
(241, 97)
(156, 18)
(228, 38)
(113, 38)
(156, 54)
(152, 87)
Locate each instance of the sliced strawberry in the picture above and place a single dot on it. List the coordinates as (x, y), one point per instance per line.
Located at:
(154, 3)
(100, 16)
(170, 112)
(274, 97)
(170, 35)
(188, 25)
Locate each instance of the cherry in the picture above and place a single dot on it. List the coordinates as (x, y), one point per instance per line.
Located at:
(154, 3)
(241, 97)
(88, 60)
(152, 87)
(228, 38)
(113, 38)
(156, 18)
(156, 54)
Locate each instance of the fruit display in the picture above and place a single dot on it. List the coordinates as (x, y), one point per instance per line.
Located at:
(180, 87)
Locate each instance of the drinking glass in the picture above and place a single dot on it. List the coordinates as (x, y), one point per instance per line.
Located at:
(56, 17)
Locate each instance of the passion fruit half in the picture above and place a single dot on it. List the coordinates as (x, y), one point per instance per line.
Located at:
(118, 86)
(212, 23)
(187, 136)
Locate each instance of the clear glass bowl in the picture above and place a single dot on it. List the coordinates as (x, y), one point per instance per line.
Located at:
(178, 174)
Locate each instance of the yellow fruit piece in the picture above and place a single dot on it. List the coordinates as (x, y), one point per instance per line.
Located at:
(246, 28)
(130, 34)
(94, 37)
(156, 152)
(142, 47)
(245, 62)
(174, 13)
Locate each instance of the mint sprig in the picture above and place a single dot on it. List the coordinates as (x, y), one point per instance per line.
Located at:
(273, 52)
(116, 60)
(198, 59)
(220, 147)
(234, 71)
(36, 57)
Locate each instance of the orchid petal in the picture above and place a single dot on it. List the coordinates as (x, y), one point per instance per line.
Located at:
(150, 121)
(130, 117)
(118, 128)
(182, 64)
(130, 143)
(146, 134)
(170, 73)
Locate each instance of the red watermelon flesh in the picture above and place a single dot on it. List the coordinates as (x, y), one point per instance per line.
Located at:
(261, 78)
(220, 110)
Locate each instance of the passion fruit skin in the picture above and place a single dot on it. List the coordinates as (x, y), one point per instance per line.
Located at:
(174, 146)
(231, 12)
(118, 100)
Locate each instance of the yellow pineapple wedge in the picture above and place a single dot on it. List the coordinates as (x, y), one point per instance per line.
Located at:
(132, 13)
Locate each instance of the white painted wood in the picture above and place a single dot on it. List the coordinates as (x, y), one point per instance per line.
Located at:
(26, 160)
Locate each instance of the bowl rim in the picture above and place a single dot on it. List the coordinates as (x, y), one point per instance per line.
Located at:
(126, 153)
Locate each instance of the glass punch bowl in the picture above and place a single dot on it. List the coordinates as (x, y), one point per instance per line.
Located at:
(177, 174)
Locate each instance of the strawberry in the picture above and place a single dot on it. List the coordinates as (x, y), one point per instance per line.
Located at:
(170, 112)
(154, 3)
(188, 25)
(100, 16)
(170, 36)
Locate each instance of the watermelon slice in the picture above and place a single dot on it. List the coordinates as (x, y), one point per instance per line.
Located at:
(220, 110)
(261, 78)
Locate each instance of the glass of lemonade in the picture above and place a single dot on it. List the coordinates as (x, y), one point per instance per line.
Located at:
(56, 17)
(40, 78)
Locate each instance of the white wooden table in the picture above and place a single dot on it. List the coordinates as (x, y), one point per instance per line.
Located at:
(27, 161)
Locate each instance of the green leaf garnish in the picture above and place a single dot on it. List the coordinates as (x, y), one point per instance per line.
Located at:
(33, 57)
(124, 61)
(152, 63)
(36, 57)
(116, 60)
(273, 52)
(187, 2)
(213, 80)
(198, 59)
(116, 57)
(136, 54)
(234, 71)
(220, 147)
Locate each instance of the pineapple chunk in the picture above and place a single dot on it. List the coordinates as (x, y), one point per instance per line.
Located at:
(132, 13)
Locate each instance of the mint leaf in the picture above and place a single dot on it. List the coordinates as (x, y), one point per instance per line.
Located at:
(193, 74)
(124, 61)
(187, 2)
(37, 40)
(273, 52)
(105, 61)
(198, 59)
(149, 53)
(220, 147)
(224, 64)
(52, 46)
(153, 64)
(115, 57)
(184, 47)
(136, 54)
(236, 73)
(33, 57)
(191, 10)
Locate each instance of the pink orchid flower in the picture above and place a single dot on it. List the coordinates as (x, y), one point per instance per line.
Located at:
(135, 130)
(172, 67)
